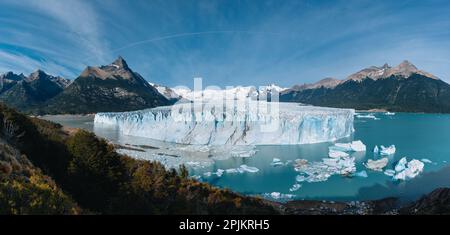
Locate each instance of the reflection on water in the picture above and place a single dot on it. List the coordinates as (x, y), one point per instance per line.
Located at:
(415, 136)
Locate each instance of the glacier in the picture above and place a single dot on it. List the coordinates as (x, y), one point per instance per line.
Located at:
(245, 123)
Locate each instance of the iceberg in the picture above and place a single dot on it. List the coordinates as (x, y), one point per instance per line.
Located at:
(376, 150)
(248, 124)
(401, 165)
(377, 165)
(277, 162)
(278, 196)
(412, 169)
(337, 154)
(387, 150)
(389, 114)
(354, 146)
(368, 116)
(321, 171)
(250, 169)
(362, 174)
(426, 160)
(389, 172)
(295, 187)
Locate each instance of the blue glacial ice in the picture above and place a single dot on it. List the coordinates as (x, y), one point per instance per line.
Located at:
(249, 124)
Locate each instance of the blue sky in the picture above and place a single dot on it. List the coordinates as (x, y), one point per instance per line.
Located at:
(227, 42)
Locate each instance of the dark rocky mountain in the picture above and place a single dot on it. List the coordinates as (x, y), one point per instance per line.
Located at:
(26, 93)
(403, 88)
(8, 80)
(110, 88)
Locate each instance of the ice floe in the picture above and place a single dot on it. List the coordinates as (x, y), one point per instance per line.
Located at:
(377, 165)
(249, 169)
(389, 114)
(401, 164)
(387, 150)
(409, 170)
(321, 171)
(376, 150)
(277, 162)
(279, 196)
(362, 174)
(295, 187)
(354, 146)
(367, 116)
(389, 172)
(337, 154)
(426, 160)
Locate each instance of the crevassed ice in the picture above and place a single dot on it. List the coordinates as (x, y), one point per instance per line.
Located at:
(254, 123)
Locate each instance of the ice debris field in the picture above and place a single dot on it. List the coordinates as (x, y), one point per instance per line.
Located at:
(339, 162)
(252, 123)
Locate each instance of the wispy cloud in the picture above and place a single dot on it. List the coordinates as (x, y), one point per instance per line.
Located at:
(226, 42)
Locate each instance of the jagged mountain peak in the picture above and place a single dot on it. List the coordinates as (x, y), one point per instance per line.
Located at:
(404, 70)
(120, 63)
(12, 76)
(38, 74)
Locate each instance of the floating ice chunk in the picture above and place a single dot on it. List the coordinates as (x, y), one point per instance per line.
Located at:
(343, 147)
(426, 160)
(387, 151)
(277, 162)
(250, 169)
(358, 146)
(389, 114)
(207, 174)
(377, 165)
(300, 178)
(337, 154)
(376, 150)
(389, 172)
(401, 165)
(413, 169)
(275, 195)
(300, 164)
(354, 146)
(234, 171)
(279, 196)
(219, 172)
(295, 187)
(368, 116)
(361, 174)
(196, 177)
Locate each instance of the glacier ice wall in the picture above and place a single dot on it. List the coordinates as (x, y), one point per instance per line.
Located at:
(244, 124)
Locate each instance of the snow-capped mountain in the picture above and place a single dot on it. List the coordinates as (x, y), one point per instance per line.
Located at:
(235, 93)
(167, 92)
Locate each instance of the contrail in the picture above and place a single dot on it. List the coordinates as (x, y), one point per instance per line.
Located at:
(180, 35)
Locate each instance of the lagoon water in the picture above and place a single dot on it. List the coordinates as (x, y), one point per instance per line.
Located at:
(416, 136)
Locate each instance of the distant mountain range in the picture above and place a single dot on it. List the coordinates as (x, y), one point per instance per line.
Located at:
(115, 87)
(25, 93)
(402, 88)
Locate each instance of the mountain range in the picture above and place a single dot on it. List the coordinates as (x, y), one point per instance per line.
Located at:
(115, 87)
(402, 88)
(26, 93)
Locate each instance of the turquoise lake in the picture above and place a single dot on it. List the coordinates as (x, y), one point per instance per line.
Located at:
(416, 136)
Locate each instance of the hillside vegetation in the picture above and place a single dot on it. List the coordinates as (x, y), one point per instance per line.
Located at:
(44, 170)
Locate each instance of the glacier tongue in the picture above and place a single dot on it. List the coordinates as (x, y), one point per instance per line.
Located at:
(248, 124)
